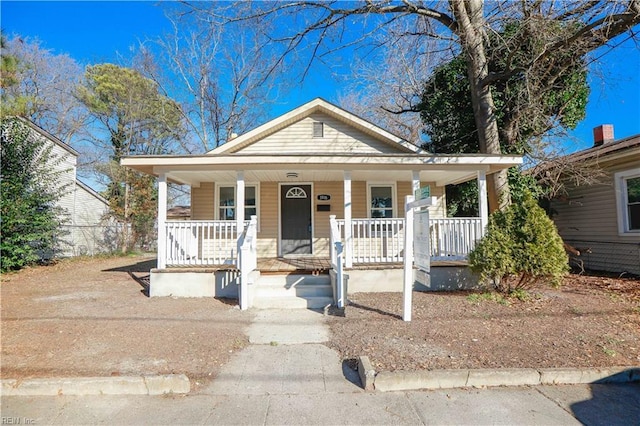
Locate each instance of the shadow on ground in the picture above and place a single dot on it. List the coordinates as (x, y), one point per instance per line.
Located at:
(611, 403)
(135, 272)
(144, 266)
(379, 311)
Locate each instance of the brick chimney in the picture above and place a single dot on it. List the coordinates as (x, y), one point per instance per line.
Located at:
(602, 134)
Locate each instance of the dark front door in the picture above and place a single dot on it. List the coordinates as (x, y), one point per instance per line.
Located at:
(295, 219)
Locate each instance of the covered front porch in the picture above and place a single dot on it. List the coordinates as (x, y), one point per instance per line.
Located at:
(296, 209)
(349, 211)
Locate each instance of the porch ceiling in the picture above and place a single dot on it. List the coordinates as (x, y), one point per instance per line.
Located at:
(439, 177)
(441, 170)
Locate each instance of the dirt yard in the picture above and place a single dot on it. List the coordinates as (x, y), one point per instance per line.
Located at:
(591, 321)
(91, 317)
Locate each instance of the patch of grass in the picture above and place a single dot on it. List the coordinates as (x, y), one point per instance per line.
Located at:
(614, 297)
(608, 352)
(575, 310)
(487, 296)
(613, 340)
(520, 294)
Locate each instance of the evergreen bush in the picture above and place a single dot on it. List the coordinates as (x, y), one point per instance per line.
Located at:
(30, 187)
(521, 247)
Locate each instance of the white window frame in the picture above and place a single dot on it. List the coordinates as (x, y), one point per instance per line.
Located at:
(234, 185)
(620, 181)
(318, 125)
(394, 206)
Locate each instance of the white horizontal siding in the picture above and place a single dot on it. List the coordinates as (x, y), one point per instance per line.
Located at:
(63, 166)
(338, 138)
(88, 210)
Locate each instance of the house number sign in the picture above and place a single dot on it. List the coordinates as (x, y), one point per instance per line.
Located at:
(324, 197)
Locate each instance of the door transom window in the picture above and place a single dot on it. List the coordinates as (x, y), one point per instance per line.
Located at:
(296, 192)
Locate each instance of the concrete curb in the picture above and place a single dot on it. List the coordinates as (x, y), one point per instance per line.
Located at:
(366, 372)
(122, 385)
(386, 381)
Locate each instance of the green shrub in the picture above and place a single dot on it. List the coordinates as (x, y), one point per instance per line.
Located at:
(30, 187)
(520, 248)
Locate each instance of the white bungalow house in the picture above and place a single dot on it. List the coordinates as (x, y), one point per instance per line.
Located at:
(316, 179)
(86, 232)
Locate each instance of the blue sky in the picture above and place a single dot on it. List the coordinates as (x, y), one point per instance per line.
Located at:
(94, 32)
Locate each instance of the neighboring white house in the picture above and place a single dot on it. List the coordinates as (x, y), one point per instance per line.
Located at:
(316, 178)
(602, 221)
(87, 231)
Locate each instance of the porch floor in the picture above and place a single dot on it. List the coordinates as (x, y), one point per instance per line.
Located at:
(305, 265)
(317, 265)
(267, 265)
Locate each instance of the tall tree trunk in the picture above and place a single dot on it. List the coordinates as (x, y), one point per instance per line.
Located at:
(469, 15)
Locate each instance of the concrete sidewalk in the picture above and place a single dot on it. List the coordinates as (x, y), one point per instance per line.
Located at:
(286, 357)
(610, 405)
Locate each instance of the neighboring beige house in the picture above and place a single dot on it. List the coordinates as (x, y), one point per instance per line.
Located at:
(313, 177)
(602, 221)
(179, 213)
(86, 232)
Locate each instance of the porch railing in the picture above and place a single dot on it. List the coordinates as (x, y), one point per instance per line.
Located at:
(382, 240)
(454, 238)
(201, 242)
(376, 240)
(215, 242)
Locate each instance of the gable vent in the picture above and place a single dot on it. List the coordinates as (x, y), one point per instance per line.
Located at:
(318, 129)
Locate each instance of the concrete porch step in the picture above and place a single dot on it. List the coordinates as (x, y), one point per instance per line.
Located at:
(293, 286)
(289, 302)
(291, 280)
(292, 291)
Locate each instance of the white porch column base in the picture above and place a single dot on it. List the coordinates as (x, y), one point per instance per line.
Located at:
(162, 220)
(348, 237)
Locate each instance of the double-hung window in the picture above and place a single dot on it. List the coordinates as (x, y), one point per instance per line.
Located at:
(628, 199)
(227, 202)
(381, 201)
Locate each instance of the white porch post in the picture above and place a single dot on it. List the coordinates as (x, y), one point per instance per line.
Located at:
(407, 281)
(415, 182)
(240, 203)
(482, 200)
(162, 219)
(348, 237)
